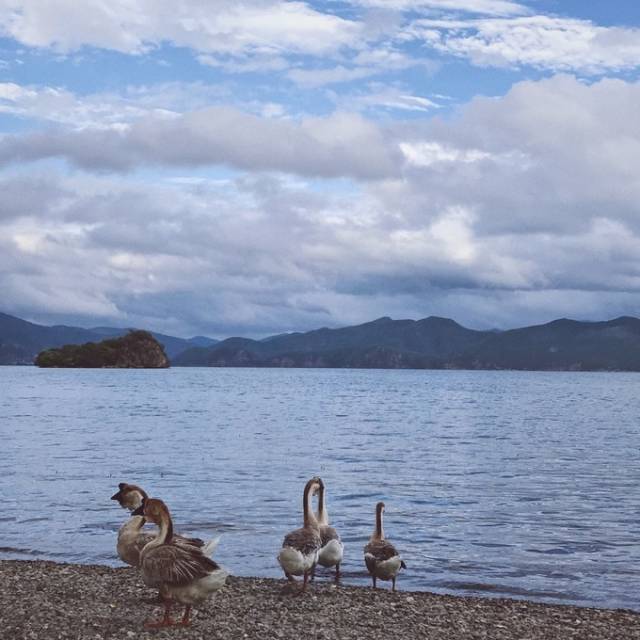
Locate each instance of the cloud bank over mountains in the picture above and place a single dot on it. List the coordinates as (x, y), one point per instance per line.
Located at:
(277, 202)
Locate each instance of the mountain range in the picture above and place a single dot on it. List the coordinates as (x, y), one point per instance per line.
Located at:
(430, 343)
(438, 343)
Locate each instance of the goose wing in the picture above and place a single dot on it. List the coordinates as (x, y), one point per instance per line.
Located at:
(177, 565)
(327, 534)
(304, 540)
(191, 542)
(378, 551)
(142, 539)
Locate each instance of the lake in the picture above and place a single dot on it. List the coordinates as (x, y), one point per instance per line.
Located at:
(517, 484)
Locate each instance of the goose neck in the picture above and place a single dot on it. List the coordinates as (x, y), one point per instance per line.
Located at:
(309, 517)
(379, 532)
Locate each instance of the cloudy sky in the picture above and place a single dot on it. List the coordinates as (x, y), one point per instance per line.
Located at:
(249, 168)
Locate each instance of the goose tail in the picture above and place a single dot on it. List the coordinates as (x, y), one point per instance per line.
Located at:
(210, 547)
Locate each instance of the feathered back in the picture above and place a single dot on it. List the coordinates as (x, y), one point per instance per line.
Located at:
(176, 565)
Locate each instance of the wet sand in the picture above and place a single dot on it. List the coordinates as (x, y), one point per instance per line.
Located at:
(48, 600)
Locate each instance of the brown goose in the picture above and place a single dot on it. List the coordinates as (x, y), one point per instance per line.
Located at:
(332, 549)
(381, 557)
(132, 539)
(180, 572)
(300, 548)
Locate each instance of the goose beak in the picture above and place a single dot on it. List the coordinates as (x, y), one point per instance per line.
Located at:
(116, 496)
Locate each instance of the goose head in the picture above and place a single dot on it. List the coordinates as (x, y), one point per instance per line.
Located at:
(129, 496)
(313, 487)
(317, 485)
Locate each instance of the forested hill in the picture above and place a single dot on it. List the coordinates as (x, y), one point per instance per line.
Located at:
(136, 350)
(437, 343)
(433, 342)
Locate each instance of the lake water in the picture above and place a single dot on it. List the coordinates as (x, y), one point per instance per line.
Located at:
(519, 484)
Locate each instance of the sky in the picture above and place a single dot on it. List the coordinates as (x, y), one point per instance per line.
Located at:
(207, 167)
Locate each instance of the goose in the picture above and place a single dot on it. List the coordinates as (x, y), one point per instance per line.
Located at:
(131, 537)
(300, 548)
(181, 572)
(332, 549)
(381, 557)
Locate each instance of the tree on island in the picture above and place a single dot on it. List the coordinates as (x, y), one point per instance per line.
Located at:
(136, 350)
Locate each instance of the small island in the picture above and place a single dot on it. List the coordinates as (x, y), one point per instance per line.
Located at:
(136, 350)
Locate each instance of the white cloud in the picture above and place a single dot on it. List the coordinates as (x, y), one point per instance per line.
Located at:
(528, 199)
(370, 61)
(380, 97)
(312, 78)
(546, 42)
(260, 63)
(331, 146)
(425, 154)
(105, 110)
(485, 7)
(207, 26)
(548, 157)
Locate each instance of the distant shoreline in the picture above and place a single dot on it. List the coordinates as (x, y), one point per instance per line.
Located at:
(41, 599)
(431, 343)
(275, 367)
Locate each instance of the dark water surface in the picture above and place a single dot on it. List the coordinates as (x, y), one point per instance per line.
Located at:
(496, 483)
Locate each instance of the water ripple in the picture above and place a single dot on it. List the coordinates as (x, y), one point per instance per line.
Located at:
(496, 483)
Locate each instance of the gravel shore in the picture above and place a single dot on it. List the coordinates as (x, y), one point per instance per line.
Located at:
(50, 600)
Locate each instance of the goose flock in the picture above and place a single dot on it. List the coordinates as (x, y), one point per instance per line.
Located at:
(182, 570)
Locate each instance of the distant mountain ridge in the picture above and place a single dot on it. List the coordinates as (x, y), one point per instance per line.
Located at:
(21, 341)
(429, 343)
(437, 343)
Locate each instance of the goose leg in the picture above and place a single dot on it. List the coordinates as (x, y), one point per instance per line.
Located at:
(166, 620)
(337, 573)
(374, 582)
(305, 581)
(185, 618)
(289, 577)
(393, 583)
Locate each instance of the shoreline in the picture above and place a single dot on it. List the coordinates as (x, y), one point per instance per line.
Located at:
(43, 599)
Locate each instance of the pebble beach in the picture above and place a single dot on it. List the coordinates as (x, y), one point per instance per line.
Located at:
(41, 599)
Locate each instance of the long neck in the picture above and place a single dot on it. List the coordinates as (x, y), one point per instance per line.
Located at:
(309, 517)
(379, 532)
(132, 525)
(166, 528)
(164, 536)
(323, 514)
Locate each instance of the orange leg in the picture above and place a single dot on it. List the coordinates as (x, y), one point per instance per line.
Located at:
(185, 618)
(166, 620)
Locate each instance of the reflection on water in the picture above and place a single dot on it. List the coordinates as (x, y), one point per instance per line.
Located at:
(496, 483)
